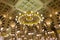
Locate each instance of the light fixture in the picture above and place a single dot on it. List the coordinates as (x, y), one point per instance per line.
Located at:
(56, 12)
(30, 22)
(59, 25)
(48, 21)
(12, 24)
(1, 28)
(50, 15)
(10, 17)
(29, 18)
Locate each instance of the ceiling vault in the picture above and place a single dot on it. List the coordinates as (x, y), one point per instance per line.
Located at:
(29, 19)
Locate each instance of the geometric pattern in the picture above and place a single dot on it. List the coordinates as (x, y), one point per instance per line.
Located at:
(31, 5)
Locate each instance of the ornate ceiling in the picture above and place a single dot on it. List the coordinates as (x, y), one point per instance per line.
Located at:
(27, 19)
(32, 5)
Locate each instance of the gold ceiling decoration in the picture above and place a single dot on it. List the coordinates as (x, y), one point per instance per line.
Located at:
(29, 18)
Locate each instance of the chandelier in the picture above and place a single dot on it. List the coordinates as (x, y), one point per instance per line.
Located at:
(29, 18)
(25, 26)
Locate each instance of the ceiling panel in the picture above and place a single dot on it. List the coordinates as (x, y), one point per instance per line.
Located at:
(26, 5)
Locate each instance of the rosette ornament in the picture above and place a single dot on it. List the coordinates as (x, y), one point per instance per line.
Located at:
(29, 18)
